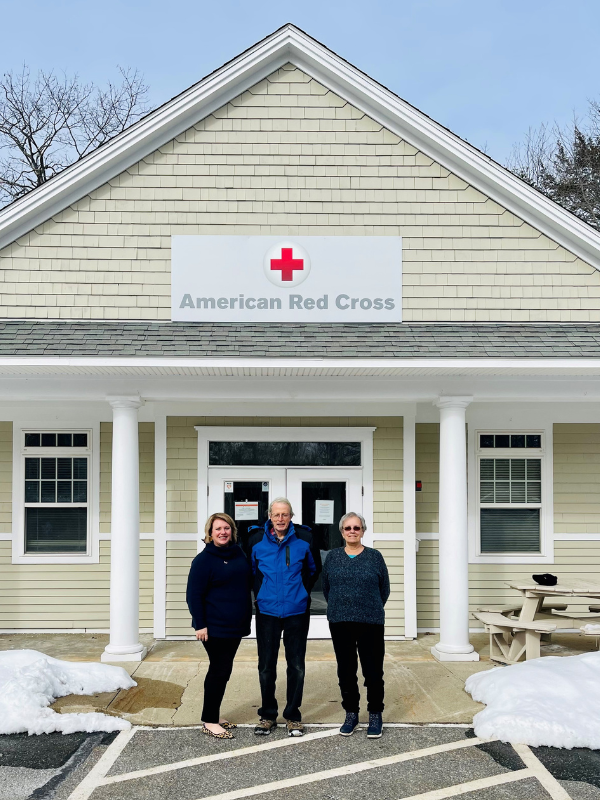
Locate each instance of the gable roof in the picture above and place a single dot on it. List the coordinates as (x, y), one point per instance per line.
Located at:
(290, 44)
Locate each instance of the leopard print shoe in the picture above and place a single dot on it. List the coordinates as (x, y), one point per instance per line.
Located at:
(225, 735)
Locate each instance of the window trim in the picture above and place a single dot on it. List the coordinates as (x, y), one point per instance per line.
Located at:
(476, 453)
(20, 453)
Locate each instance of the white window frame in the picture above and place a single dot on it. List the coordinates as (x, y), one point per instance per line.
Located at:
(544, 453)
(20, 452)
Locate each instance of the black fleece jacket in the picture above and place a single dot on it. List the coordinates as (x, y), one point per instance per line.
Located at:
(218, 591)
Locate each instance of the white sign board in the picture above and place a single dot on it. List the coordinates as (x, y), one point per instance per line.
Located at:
(324, 512)
(246, 511)
(293, 279)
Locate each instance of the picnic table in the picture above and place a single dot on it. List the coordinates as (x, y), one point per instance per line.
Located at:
(515, 631)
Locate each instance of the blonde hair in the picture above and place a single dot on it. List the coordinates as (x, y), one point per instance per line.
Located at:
(226, 518)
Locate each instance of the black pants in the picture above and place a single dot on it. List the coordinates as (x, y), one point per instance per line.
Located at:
(268, 637)
(350, 639)
(221, 653)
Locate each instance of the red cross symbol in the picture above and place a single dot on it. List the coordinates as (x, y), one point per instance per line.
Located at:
(287, 264)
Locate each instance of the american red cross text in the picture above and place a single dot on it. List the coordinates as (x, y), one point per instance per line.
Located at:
(287, 264)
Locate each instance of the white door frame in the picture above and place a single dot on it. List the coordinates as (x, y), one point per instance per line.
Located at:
(353, 478)
(208, 433)
(218, 475)
(356, 488)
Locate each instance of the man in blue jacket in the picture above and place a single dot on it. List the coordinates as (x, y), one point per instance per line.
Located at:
(285, 565)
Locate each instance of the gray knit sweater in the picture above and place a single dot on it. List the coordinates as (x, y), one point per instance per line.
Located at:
(356, 589)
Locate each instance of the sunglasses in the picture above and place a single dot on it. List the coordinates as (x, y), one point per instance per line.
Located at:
(353, 528)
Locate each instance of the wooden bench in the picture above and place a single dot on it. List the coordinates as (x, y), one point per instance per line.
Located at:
(510, 639)
(546, 610)
(577, 614)
(516, 609)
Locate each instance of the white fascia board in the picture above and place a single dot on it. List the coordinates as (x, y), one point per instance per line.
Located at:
(468, 364)
(458, 156)
(144, 137)
(292, 45)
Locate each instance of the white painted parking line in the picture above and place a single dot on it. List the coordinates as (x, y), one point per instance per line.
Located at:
(548, 781)
(97, 773)
(473, 786)
(349, 769)
(194, 762)
(313, 725)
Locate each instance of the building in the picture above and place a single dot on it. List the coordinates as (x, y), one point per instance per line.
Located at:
(440, 371)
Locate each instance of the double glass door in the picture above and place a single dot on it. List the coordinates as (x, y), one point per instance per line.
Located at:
(319, 497)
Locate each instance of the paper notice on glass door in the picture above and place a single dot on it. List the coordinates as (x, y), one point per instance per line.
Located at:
(246, 511)
(324, 512)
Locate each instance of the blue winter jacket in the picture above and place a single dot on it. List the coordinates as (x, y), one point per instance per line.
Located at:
(284, 570)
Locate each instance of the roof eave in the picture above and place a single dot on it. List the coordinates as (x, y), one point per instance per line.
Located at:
(525, 364)
(141, 139)
(440, 144)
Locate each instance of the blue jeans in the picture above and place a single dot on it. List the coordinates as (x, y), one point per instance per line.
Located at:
(268, 638)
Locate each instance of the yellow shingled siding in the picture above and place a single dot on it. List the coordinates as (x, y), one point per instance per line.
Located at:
(427, 470)
(290, 157)
(487, 582)
(428, 583)
(182, 476)
(393, 553)
(146, 443)
(576, 478)
(179, 558)
(6, 468)
(54, 596)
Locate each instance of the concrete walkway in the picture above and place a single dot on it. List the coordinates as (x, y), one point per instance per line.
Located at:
(170, 680)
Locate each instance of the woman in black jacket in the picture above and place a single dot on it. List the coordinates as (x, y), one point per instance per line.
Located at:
(218, 597)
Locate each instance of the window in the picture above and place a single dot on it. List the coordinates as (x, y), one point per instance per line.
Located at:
(284, 454)
(56, 494)
(510, 493)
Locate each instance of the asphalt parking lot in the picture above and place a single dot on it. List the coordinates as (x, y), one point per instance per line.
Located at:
(410, 761)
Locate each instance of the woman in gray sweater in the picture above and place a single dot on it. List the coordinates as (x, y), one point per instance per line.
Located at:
(356, 586)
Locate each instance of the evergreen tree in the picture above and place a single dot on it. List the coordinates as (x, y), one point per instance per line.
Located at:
(564, 164)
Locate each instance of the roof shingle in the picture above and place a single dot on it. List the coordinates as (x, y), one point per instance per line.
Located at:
(289, 340)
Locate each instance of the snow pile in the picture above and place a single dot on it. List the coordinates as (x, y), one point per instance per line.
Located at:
(549, 701)
(589, 628)
(31, 681)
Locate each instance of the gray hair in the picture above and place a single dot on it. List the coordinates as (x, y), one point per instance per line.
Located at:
(281, 500)
(353, 514)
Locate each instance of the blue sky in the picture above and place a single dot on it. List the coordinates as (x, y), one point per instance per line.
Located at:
(488, 70)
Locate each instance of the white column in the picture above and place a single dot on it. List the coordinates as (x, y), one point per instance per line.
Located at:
(410, 528)
(160, 524)
(454, 642)
(125, 534)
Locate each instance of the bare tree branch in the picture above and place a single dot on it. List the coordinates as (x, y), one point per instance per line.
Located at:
(49, 122)
(564, 164)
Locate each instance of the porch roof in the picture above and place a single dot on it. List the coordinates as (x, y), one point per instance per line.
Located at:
(85, 338)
